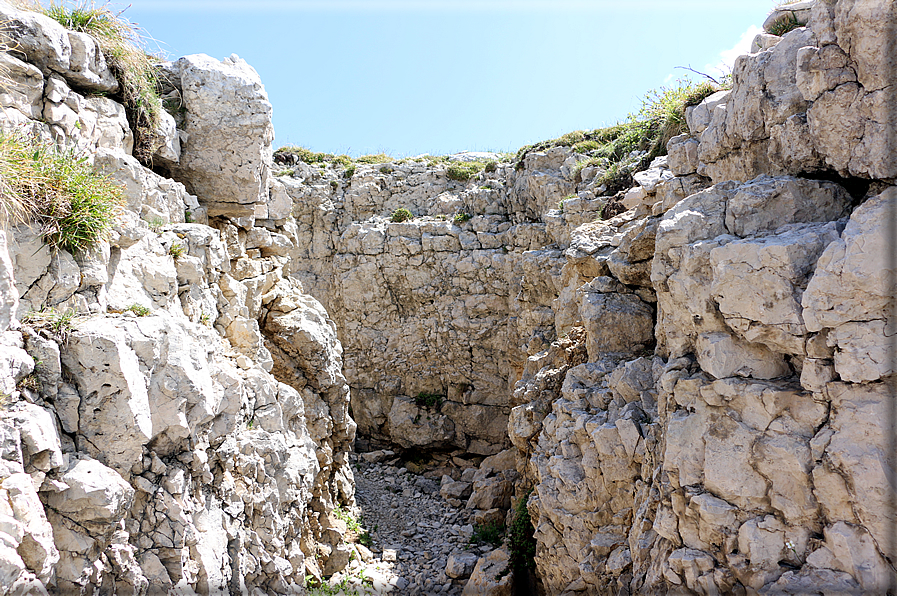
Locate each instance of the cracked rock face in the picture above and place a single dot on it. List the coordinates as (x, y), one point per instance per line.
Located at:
(694, 393)
(147, 447)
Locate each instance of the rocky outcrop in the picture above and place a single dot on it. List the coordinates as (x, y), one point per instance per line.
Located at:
(731, 459)
(814, 101)
(225, 134)
(693, 374)
(175, 416)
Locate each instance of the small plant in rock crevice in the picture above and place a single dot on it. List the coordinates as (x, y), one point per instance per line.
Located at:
(429, 400)
(521, 536)
(784, 25)
(460, 218)
(177, 250)
(138, 309)
(122, 44)
(400, 215)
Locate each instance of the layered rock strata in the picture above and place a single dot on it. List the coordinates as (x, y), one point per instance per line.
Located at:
(188, 429)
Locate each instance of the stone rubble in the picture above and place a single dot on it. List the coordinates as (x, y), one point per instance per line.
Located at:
(691, 377)
(420, 539)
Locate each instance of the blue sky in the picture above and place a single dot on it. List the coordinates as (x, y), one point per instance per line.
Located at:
(407, 77)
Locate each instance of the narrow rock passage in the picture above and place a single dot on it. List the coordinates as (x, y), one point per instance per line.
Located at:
(414, 532)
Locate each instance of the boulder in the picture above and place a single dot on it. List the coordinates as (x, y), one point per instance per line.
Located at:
(226, 153)
(491, 576)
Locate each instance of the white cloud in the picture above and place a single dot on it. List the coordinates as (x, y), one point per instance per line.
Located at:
(727, 57)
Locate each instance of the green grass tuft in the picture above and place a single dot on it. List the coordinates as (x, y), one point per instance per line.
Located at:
(59, 323)
(123, 47)
(784, 25)
(460, 218)
(401, 214)
(464, 171)
(374, 159)
(73, 205)
(177, 250)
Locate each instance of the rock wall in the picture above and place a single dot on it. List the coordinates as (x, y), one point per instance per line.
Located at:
(699, 389)
(435, 304)
(188, 429)
(750, 453)
(698, 386)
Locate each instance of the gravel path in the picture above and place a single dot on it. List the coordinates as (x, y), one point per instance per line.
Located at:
(414, 531)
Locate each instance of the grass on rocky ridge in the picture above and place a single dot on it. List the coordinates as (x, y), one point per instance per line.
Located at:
(123, 45)
(629, 146)
(59, 191)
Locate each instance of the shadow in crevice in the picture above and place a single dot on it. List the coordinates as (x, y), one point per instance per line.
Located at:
(857, 188)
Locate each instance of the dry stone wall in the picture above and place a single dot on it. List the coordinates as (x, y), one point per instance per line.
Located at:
(189, 430)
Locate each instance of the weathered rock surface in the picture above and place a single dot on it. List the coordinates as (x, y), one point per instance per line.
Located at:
(145, 445)
(695, 391)
(226, 150)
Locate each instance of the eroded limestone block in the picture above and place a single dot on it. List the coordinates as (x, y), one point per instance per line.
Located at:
(226, 155)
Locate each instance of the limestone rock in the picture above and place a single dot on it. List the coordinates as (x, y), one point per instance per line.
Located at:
(461, 565)
(228, 114)
(95, 493)
(490, 577)
(414, 426)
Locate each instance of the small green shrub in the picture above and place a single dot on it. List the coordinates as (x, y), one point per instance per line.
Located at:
(73, 205)
(365, 539)
(401, 214)
(138, 309)
(373, 159)
(177, 250)
(784, 25)
(352, 524)
(631, 145)
(491, 166)
(521, 537)
(334, 184)
(491, 533)
(122, 44)
(349, 172)
(464, 171)
(206, 319)
(386, 170)
(428, 400)
(460, 218)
